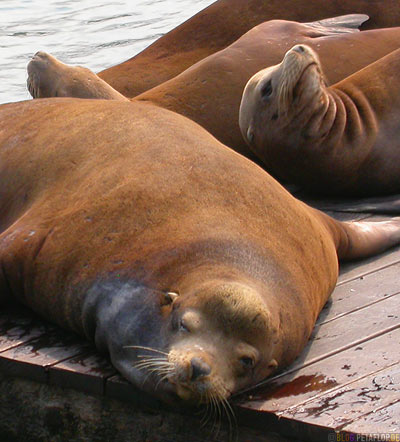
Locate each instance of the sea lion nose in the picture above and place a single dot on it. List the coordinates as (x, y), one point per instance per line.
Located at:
(199, 368)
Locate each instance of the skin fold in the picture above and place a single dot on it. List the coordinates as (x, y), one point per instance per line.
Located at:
(341, 140)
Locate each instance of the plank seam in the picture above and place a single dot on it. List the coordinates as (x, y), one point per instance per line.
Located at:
(13, 346)
(320, 358)
(341, 427)
(362, 275)
(341, 315)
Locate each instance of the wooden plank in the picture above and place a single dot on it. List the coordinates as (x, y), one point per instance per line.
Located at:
(344, 406)
(19, 325)
(361, 292)
(87, 372)
(386, 417)
(350, 330)
(327, 375)
(33, 358)
(356, 269)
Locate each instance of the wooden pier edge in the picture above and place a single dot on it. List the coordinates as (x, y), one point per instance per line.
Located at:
(35, 412)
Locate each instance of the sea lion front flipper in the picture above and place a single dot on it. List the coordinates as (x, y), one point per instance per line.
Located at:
(339, 25)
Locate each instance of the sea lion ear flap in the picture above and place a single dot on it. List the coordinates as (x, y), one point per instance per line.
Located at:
(273, 364)
(168, 298)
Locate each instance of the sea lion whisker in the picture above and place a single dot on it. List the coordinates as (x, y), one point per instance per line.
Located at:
(229, 412)
(162, 378)
(140, 347)
(204, 413)
(149, 364)
(160, 370)
(145, 379)
(150, 358)
(146, 362)
(224, 409)
(218, 415)
(144, 358)
(205, 409)
(153, 365)
(213, 410)
(207, 415)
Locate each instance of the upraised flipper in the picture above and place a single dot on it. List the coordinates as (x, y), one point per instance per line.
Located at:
(339, 25)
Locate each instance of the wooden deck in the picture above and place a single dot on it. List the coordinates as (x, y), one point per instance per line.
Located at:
(347, 379)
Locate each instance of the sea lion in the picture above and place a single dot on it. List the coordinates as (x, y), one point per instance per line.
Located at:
(210, 91)
(187, 263)
(338, 140)
(221, 24)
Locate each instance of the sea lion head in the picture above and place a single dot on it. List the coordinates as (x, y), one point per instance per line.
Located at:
(276, 95)
(200, 347)
(222, 341)
(44, 73)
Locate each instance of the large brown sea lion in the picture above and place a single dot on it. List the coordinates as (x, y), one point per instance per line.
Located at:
(342, 140)
(210, 91)
(222, 23)
(192, 267)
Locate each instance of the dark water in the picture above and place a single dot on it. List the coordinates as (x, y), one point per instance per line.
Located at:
(93, 33)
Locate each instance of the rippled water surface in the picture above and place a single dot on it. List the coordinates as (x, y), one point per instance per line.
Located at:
(93, 33)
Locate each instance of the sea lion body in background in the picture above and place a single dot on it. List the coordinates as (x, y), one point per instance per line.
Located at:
(136, 228)
(209, 92)
(341, 140)
(222, 23)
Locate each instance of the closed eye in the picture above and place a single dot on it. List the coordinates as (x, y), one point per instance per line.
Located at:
(247, 362)
(183, 327)
(266, 90)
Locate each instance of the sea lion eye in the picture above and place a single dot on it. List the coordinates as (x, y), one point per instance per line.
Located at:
(183, 327)
(247, 362)
(266, 90)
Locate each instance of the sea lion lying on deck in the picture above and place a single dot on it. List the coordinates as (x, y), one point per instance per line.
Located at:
(188, 264)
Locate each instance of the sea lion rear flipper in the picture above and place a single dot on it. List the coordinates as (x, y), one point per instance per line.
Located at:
(339, 25)
(361, 239)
